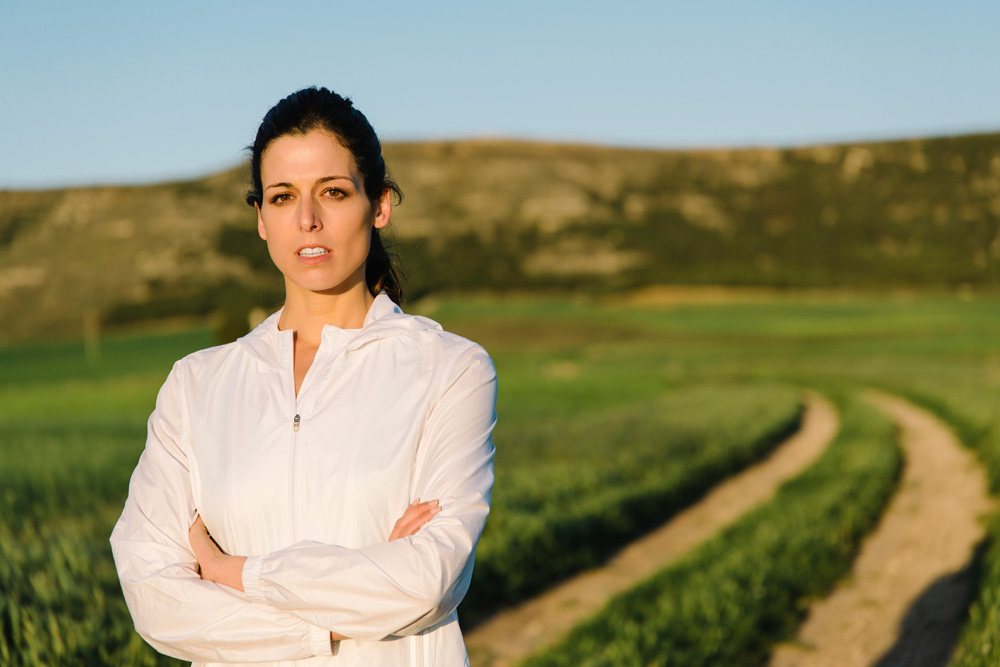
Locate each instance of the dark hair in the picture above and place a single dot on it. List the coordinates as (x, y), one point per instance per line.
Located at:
(319, 108)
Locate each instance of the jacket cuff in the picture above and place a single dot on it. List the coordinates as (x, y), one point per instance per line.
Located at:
(251, 581)
(321, 643)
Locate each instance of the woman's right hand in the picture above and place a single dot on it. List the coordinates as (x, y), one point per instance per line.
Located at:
(416, 516)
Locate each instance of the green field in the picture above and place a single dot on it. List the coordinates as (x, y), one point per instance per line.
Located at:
(611, 418)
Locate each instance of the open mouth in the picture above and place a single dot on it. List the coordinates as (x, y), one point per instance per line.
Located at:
(313, 252)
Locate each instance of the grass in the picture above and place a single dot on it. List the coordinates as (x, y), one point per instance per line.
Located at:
(70, 434)
(570, 493)
(62, 490)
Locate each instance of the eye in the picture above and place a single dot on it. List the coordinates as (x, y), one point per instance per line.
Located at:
(280, 198)
(335, 193)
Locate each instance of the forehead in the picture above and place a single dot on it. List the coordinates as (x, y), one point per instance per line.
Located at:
(315, 154)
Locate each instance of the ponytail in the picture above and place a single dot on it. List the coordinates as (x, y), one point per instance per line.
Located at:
(381, 270)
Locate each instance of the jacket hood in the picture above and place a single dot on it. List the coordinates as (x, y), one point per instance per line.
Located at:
(385, 319)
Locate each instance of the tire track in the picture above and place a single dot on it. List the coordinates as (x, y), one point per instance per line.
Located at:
(905, 598)
(516, 633)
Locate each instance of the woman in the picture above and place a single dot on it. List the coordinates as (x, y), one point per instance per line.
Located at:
(264, 517)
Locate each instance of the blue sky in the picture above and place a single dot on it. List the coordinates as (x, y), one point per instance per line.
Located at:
(106, 92)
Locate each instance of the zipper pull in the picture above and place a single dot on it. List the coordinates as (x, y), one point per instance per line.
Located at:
(295, 426)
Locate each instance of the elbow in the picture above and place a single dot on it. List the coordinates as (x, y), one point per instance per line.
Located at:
(446, 580)
(441, 602)
(154, 636)
(149, 620)
(153, 608)
(429, 614)
(154, 633)
(436, 600)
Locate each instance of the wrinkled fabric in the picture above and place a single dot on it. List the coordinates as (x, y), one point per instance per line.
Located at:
(394, 411)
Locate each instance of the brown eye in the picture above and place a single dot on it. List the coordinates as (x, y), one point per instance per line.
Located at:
(280, 198)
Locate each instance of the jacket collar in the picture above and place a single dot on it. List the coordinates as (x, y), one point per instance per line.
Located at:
(385, 319)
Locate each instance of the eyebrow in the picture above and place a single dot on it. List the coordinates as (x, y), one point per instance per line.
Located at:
(325, 179)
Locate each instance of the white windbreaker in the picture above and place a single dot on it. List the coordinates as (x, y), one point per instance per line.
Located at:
(309, 488)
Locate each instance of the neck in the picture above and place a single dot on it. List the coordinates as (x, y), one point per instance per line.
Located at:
(308, 312)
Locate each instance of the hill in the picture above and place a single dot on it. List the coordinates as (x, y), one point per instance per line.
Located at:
(507, 215)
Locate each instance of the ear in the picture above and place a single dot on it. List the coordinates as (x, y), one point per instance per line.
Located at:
(383, 209)
(261, 230)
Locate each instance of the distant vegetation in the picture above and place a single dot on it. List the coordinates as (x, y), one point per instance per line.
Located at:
(502, 216)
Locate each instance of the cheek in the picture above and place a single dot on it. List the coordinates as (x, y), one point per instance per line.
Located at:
(352, 233)
(275, 238)
(276, 225)
(273, 253)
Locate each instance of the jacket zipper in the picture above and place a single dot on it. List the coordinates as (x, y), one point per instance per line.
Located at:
(291, 477)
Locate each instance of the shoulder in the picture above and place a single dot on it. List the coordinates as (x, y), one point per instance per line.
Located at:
(207, 359)
(184, 379)
(389, 321)
(454, 351)
(443, 355)
(463, 363)
(206, 369)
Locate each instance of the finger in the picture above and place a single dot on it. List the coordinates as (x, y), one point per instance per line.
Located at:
(413, 513)
(427, 514)
(418, 521)
(419, 502)
(418, 506)
(418, 517)
(430, 507)
(401, 529)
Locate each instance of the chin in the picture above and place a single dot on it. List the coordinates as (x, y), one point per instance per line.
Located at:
(324, 286)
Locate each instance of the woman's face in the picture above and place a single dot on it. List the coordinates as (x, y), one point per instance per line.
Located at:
(314, 214)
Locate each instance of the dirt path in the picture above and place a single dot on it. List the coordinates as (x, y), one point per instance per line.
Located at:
(904, 600)
(518, 632)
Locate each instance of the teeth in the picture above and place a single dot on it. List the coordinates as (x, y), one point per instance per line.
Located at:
(312, 252)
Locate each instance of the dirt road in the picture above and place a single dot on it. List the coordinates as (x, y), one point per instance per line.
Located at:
(904, 600)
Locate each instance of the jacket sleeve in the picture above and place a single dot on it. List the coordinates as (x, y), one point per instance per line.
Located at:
(173, 609)
(407, 585)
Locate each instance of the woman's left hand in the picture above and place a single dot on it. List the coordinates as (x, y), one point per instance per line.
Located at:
(213, 564)
(416, 516)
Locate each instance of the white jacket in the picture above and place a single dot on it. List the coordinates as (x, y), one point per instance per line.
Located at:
(308, 488)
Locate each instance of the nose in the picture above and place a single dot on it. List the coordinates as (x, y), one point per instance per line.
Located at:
(309, 217)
